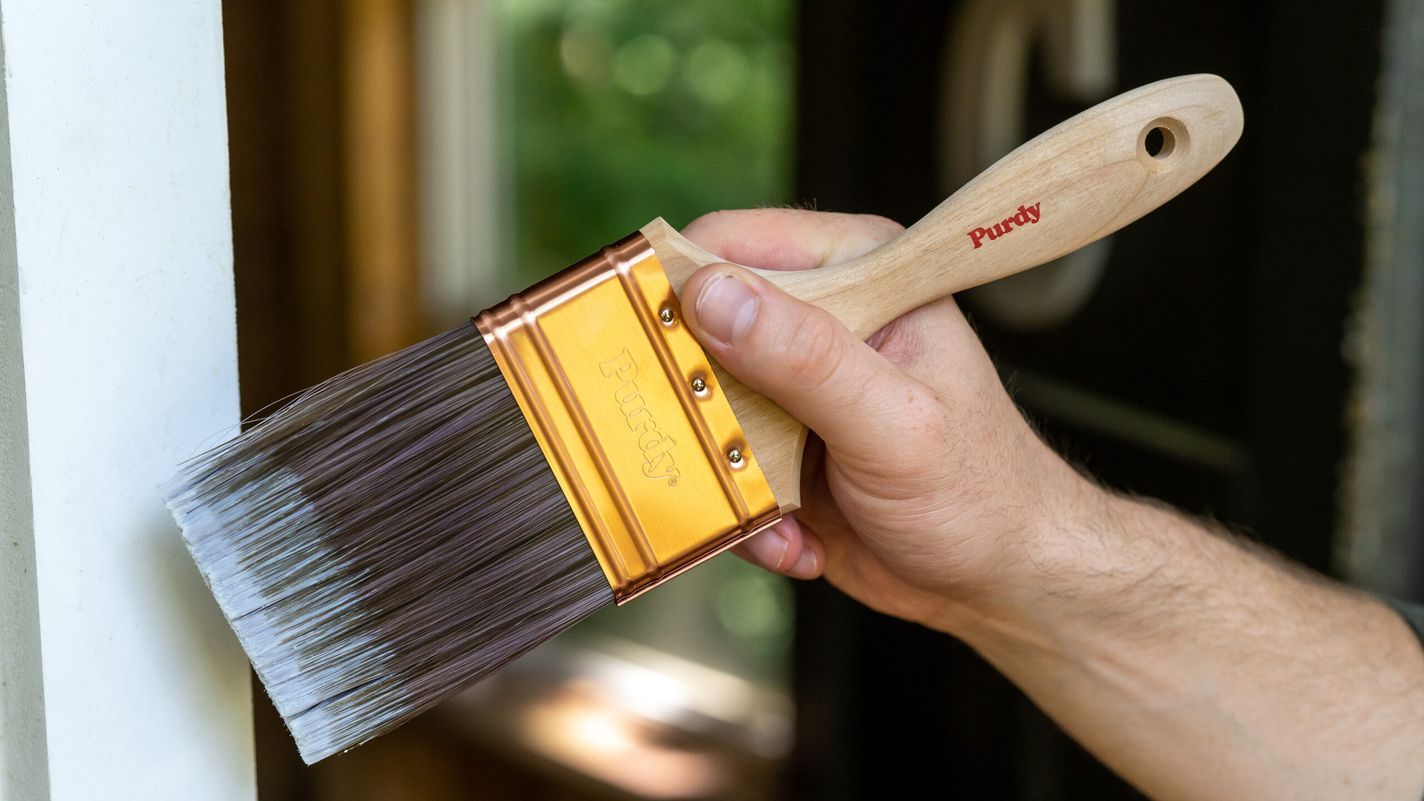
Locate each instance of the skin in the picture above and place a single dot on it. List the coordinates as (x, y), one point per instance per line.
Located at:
(1195, 665)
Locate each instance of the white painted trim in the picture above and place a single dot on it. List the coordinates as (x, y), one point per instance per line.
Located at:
(118, 357)
(22, 733)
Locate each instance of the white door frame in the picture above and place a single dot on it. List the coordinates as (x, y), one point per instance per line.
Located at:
(117, 360)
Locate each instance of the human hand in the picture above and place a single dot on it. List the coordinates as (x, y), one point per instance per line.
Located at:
(1156, 642)
(925, 489)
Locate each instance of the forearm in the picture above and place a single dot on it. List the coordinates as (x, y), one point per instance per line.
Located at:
(1200, 669)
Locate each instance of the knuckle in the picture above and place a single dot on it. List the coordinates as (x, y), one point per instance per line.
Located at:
(861, 233)
(702, 221)
(708, 229)
(815, 351)
(884, 225)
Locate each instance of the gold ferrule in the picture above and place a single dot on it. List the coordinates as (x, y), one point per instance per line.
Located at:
(626, 409)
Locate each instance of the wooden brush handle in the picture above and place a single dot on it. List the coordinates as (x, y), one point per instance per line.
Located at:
(1070, 186)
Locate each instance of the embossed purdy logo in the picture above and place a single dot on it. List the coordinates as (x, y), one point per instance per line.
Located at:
(1026, 215)
(655, 445)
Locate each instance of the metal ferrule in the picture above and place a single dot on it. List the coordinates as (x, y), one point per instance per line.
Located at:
(629, 414)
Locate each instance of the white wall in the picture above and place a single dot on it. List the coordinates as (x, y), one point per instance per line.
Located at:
(118, 359)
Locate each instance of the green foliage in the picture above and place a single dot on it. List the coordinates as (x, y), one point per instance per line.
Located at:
(618, 111)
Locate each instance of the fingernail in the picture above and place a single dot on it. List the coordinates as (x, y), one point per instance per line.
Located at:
(726, 308)
(807, 566)
(768, 549)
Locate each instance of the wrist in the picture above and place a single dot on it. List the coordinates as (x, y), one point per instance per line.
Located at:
(1086, 554)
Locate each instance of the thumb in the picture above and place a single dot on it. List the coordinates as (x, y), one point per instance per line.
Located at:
(801, 357)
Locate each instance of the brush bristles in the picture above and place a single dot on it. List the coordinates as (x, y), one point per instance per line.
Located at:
(387, 539)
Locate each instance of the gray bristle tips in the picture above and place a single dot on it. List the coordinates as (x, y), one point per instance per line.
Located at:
(388, 538)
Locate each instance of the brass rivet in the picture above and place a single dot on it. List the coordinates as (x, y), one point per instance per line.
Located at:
(699, 385)
(666, 316)
(734, 456)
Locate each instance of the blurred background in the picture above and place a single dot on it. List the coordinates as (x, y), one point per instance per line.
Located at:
(1253, 352)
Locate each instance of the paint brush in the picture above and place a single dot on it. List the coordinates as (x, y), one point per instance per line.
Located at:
(401, 530)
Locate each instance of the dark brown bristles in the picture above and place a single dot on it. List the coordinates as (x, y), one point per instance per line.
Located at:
(387, 539)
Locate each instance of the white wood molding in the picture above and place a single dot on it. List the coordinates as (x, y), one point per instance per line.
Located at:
(117, 360)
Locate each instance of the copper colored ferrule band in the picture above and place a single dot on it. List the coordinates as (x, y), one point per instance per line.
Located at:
(627, 410)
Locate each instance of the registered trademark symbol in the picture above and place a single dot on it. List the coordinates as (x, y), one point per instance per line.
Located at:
(672, 482)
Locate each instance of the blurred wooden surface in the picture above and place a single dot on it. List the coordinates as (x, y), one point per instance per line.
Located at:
(421, 764)
(379, 126)
(322, 114)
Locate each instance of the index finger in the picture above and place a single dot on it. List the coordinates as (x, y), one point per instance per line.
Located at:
(790, 239)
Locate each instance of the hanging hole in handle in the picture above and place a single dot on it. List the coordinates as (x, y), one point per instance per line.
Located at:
(1160, 139)
(1158, 143)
